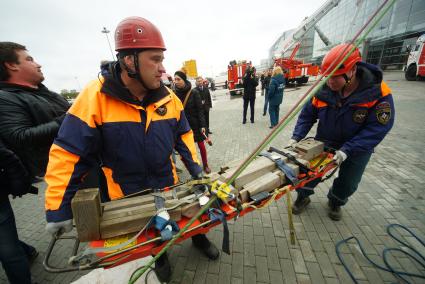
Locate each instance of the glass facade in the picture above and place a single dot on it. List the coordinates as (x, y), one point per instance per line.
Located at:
(386, 45)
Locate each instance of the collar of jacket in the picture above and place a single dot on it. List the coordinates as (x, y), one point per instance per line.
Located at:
(9, 87)
(114, 87)
(369, 89)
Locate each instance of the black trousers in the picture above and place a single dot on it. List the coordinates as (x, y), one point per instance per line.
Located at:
(251, 102)
(207, 119)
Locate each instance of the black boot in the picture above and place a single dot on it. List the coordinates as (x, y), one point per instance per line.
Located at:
(202, 243)
(334, 211)
(162, 268)
(300, 204)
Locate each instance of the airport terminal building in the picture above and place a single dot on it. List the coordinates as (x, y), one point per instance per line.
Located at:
(386, 45)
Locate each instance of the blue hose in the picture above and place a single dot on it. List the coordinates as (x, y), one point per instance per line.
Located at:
(417, 256)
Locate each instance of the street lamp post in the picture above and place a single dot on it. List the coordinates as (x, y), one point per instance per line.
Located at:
(106, 32)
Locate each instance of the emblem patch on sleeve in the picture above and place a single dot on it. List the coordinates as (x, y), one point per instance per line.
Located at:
(162, 110)
(360, 115)
(383, 112)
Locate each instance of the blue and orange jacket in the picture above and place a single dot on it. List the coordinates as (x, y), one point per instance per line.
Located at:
(356, 124)
(131, 140)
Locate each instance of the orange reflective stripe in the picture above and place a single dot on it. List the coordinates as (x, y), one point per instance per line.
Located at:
(188, 139)
(385, 90)
(367, 105)
(173, 166)
(96, 108)
(318, 103)
(167, 108)
(58, 174)
(114, 189)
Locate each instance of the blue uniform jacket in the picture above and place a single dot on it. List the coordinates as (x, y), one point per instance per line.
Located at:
(276, 87)
(131, 140)
(355, 124)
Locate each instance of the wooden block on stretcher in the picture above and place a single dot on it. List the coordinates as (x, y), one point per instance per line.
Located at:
(133, 219)
(267, 182)
(257, 168)
(87, 212)
(309, 149)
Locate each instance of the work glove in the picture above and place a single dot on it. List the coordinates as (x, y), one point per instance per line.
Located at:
(291, 143)
(59, 227)
(339, 157)
(165, 226)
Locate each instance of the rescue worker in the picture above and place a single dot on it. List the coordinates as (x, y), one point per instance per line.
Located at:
(355, 110)
(129, 122)
(275, 95)
(30, 117)
(250, 83)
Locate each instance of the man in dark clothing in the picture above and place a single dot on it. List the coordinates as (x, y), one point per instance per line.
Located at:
(266, 85)
(206, 101)
(250, 83)
(30, 117)
(15, 255)
(263, 75)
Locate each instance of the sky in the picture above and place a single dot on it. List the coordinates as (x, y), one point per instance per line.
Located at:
(65, 36)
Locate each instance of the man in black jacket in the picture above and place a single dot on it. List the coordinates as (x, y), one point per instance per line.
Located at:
(250, 83)
(206, 101)
(30, 117)
(30, 114)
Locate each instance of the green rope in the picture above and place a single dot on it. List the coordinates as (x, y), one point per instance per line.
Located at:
(282, 124)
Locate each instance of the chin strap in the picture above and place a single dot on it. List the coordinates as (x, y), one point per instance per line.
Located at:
(136, 74)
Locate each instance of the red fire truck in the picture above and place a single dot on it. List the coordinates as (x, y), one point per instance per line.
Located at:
(296, 70)
(415, 66)
(235, 72)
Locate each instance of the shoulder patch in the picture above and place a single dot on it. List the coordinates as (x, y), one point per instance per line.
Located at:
(360, 115)
(162, 110)
(383, 112)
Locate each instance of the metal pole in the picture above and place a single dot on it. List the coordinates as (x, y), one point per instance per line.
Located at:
(106, 32)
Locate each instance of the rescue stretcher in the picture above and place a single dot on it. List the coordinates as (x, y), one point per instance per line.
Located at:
(307, 164)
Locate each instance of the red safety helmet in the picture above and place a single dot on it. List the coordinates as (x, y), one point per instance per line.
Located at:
(137, 33)
(328, 63)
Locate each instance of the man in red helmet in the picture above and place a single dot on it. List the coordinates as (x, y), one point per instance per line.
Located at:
(127, 122)
(355, 110)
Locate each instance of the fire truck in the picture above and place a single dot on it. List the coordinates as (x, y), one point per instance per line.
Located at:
(296, 70)
(235, 72)
(415, 67)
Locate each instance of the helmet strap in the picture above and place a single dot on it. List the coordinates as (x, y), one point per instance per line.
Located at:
(136, 73)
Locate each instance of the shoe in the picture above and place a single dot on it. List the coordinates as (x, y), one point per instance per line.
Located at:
(252, 121)
(207, 170)
(300, 204)
(209, 132)
(334, 211)
(271, 127)
(264, 114)
(202, 243)
(244, 122)
(32, 256)
(162, 268)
